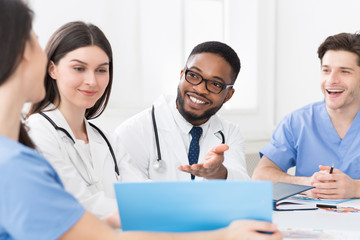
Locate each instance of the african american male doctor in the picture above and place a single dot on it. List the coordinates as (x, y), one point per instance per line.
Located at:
(182, 138)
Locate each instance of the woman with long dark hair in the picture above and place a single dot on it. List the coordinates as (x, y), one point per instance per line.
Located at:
(78, 84)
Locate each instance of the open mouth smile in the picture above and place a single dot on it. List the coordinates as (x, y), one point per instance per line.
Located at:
(329, 91)
(334, 92)
(196, 101)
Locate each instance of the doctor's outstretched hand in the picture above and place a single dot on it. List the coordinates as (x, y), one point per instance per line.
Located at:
(212, 167)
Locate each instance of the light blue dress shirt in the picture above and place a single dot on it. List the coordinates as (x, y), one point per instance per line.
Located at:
(33, 202)
(306, 138)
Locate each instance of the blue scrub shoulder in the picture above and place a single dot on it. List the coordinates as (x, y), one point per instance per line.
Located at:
(33, 202)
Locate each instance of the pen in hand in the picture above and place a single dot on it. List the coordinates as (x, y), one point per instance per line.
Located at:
(321, 205)
(330, 172)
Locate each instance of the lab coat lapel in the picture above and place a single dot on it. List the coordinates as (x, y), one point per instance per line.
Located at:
(76, 152)
(59, 120)
(213, 137)
(85, 161)
(170, 136)
(99, 150)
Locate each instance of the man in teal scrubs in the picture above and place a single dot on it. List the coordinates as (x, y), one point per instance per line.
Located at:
(323, 133)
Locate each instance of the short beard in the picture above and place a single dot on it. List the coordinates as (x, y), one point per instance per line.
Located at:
(192, 118)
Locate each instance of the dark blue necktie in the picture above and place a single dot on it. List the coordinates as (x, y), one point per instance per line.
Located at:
(194, 148)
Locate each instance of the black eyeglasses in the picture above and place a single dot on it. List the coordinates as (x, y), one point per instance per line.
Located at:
(211, 85)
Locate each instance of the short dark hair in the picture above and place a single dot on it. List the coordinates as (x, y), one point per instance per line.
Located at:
(343, 41)
(67, 38)
(223, 51)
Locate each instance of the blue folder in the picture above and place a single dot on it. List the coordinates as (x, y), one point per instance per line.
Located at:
(193, 205)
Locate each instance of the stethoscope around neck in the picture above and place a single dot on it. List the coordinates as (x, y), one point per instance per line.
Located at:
(91, 182)
(159, 164)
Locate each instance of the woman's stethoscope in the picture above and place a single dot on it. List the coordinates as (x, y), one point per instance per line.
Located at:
(159, 164)
(91, 182)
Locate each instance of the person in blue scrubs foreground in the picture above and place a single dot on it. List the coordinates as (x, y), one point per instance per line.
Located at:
(324, 133)
(33, 202)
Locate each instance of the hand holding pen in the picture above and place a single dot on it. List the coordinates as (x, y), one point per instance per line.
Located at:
(324, 205)
(332, 183)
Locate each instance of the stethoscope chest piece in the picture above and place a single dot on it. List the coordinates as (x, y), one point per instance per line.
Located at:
(159, 165)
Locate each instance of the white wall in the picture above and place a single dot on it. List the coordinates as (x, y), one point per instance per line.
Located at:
(276, 41)
(152, 39)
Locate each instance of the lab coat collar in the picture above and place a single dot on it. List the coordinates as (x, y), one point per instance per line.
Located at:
(58, 118)
(98, 146)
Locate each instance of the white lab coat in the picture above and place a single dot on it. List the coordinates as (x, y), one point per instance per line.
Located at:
(137, 136)
(72, 160)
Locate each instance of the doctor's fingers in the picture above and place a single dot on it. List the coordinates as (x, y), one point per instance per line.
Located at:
(344, 188)
(311, 193)
(220, 149)
(215, 155)
(330, 195)
(324, 168)
(214, 162)
(195, 166)
(315, 178)
(200, 172)
(326, 185)
(184, 167)
(194, 172)
(337, 195)
(208, 172)
(190, 168)
(337, 176)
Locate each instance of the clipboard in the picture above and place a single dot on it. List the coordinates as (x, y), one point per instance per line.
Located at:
(191, 205)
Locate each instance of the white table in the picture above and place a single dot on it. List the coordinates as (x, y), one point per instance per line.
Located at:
(345, 223)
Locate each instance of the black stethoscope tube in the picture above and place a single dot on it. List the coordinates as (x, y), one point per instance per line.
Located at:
(222, 137)
(156, 133)
(92, 125)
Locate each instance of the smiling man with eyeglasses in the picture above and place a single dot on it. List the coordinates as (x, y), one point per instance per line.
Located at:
(214, 86)
(182, 138)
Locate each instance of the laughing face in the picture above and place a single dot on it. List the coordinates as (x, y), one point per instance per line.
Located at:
(194, 102)
(340, 80)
